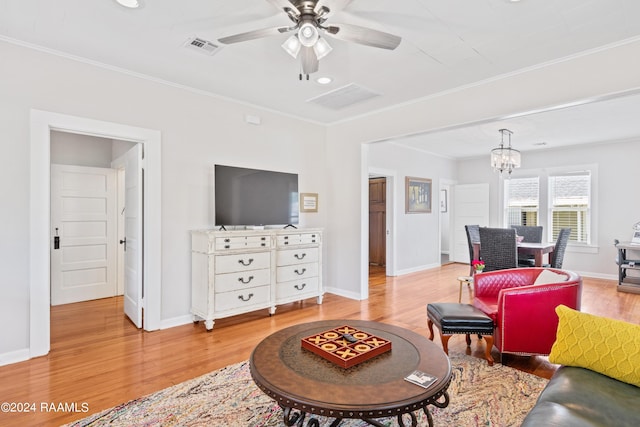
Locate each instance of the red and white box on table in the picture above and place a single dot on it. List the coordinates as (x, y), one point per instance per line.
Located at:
(333, 346)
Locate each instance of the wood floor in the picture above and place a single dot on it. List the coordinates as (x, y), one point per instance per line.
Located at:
(98, 359)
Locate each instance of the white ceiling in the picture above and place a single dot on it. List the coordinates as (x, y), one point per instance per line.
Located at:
(445, 44)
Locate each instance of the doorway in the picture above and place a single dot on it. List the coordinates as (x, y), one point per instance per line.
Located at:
(91, 222)
(381, 219)
(445, 208)
(42, 123)
(377, 222)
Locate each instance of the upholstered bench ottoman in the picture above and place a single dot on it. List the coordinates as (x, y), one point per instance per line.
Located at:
(452, 318)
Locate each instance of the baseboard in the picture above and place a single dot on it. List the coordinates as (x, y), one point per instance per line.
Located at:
(597, 275)
(343, 293)
(15, 356)
(418, 268)
(176, 321)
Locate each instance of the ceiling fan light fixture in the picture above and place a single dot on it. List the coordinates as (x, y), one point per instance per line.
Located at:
(322, 48)
(308, 34)
(292, 46)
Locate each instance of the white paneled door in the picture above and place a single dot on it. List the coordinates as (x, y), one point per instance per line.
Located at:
(470, 206)
(83, 233)
(133, 210)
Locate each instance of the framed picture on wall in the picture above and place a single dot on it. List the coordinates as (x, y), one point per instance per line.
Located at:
(443, 200)
(308, 202)
(417, 195)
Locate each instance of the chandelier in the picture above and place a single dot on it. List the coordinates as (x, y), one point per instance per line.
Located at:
(505, 159)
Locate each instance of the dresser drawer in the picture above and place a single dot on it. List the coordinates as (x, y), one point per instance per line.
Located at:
(242, 280)
(245, 298)
(297, 288)
(297, 256)
(295, 272)
(297, 239)
(242, 262)
(242, 242)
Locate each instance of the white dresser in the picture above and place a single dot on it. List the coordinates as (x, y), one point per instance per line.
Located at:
(234, 272)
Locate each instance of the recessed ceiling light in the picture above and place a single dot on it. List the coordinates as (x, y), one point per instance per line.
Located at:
(131, 4)
(324, 80)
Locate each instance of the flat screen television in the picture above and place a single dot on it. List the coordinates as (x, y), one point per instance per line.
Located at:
(254, 197)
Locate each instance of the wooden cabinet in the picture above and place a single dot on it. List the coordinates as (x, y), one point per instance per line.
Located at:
(235, 272)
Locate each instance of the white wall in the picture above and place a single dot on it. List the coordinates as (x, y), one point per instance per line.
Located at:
(197, 131)
(80, 150)
(417, 234)
(616, 208)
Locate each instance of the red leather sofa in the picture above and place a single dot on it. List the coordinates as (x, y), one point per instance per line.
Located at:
(522, 310)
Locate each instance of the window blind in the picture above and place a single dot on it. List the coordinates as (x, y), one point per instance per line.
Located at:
(521, 201)
(570, 205)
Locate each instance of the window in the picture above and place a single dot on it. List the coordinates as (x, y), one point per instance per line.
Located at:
(521, 196)
(555, 199)
(570, 205)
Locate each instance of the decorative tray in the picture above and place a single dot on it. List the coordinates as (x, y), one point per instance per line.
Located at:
(346, 346)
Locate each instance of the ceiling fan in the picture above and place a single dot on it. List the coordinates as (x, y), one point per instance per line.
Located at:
(309, 17)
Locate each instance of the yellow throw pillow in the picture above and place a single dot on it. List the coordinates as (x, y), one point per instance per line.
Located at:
(608, 346)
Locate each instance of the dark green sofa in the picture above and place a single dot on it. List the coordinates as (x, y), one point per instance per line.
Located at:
(579, 397)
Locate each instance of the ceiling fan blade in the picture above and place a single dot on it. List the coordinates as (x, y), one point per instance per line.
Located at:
(255, 34)
(309, 60)
(365, 36)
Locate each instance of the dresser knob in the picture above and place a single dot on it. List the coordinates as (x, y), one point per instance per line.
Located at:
(300, 273)
(246, 263)
(297, 256)
(241, 279)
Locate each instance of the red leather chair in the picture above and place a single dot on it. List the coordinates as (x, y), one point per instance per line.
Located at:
(523, 312)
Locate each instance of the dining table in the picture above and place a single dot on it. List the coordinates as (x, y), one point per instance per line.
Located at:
(538, 250)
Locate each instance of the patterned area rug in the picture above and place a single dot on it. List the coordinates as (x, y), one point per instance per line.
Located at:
(480, 396)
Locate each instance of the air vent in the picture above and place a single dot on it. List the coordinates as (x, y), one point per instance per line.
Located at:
(343, 97)
(202, 46)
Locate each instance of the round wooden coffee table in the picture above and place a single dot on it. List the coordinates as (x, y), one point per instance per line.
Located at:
(304, 383)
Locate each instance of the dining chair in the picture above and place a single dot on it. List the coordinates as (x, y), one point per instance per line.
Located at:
(557, 255)
(530, 234)
(498, 248)
(473, 235)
